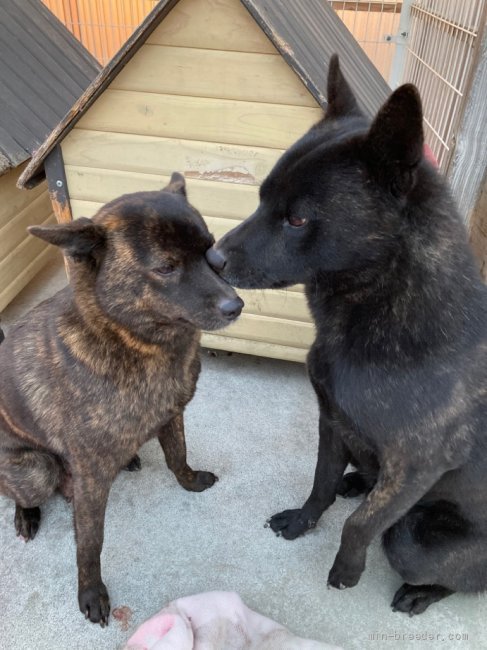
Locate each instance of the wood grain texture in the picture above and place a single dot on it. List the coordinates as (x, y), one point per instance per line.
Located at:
(14, 200)
(20, 256)
(212, 24)
(468, 168)
(211, 198)
(278, 331)
(14, 231)
(197, 118)
(478, 230)
(154, 155)
(214, 73)
(21, 264)
(258, 348)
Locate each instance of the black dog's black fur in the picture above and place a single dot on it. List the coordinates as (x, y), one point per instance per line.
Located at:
(399, 363)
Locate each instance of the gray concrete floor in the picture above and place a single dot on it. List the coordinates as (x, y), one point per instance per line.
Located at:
(254, 422)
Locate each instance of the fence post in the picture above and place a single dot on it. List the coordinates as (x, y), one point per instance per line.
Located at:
(468, 166)
(401, 41)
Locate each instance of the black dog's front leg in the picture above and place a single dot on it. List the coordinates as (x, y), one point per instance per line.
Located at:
(173, 443)
(398, 488)
(90, 499)
(333, 457)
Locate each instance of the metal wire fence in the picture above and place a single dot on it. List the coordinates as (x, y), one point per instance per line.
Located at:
(443, 35)
(374, 24)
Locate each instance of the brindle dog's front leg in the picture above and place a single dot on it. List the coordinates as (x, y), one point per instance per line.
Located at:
(173, 444)
(398, 488)
(90, 499)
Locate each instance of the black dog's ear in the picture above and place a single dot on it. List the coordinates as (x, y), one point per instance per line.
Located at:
(394, 144)
(77, 238)
(341, 100)
(177, 184)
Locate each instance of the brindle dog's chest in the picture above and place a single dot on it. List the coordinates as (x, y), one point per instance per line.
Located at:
(151, 395)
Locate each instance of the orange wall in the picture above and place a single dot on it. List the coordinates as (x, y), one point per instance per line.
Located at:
(102, 26)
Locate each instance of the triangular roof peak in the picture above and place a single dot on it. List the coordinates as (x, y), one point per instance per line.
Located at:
(305, 32)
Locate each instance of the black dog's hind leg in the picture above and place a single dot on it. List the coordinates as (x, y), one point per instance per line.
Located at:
(435, 550)
(173, 443)
(415, 599)
(363, 480)
(399, 487)
(333, 457)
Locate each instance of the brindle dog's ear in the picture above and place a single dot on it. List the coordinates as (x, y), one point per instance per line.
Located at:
(394, 144)
(177, 184)
(341, 100)
(77, 238)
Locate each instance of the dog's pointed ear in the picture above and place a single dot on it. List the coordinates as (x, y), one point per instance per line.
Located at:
(341, 100)
(77, 238)
(177, 184)
(394, 144)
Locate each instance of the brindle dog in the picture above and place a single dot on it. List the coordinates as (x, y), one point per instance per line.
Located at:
(399, 364)
(111, 361)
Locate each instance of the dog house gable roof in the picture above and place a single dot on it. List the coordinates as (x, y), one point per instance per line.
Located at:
(305, 32)
(44, 69)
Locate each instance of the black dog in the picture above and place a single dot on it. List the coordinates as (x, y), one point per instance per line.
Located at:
(399, 362)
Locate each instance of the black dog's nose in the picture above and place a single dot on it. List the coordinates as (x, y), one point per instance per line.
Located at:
(215, 259)
(231, 308)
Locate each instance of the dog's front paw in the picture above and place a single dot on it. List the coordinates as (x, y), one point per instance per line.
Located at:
(27, 521)
(94, 603)
(344, 575)
(291, 523)
(197, 481)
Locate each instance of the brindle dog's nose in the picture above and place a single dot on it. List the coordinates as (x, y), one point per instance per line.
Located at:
(231, 309)
(215, 259)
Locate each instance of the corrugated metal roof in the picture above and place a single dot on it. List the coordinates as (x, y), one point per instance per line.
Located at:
(306, 32)
(43, 70)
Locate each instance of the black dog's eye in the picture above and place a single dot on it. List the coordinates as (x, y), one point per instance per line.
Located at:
(297, 222)
(165, 269)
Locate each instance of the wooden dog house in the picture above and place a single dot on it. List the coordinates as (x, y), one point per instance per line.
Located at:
(43, 70)
(215, 89)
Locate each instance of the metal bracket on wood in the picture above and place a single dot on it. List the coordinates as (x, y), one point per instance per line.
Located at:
(58, 189)
(58, 186)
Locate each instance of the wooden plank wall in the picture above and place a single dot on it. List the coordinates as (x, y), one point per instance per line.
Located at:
(209, 96)
(21, 255)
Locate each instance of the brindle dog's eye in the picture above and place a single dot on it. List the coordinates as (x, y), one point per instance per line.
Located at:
(297, 222)
(165, 269)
